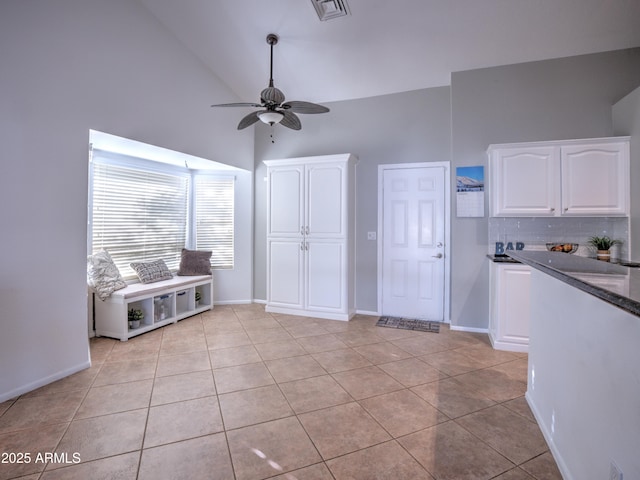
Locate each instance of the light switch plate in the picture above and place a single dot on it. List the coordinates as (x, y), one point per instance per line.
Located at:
(371, 236)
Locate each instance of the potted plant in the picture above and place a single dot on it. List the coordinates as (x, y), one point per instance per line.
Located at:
(603, 246)
(198, 297)
(135, 316)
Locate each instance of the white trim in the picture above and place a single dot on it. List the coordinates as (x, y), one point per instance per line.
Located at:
(447, 228)
(367, 312)
(41, 382)
(562, 466)
(233, 302)
(468, 329)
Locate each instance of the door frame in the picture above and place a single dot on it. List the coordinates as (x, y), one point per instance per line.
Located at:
(447, 227)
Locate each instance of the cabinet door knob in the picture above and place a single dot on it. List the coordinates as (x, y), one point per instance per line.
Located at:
(306, 230)
(301, 245)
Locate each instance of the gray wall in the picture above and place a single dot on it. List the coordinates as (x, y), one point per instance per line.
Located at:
(626, 121)
(67, 67)
(401, 128)
(548, 100)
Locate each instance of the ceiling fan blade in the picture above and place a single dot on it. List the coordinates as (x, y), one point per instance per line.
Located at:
(304, 107)
(254, 105)
(290, 120)
(248, 120)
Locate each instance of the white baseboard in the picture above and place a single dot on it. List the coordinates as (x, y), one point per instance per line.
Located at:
(232, 302)
(367, 312)
(562, 466)
(260, 301)
(468, 329)
(43, 381)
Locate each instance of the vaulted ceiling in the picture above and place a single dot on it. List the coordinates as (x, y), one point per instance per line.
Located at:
(387, 46)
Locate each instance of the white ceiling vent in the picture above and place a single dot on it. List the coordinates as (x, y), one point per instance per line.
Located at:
(328, 9)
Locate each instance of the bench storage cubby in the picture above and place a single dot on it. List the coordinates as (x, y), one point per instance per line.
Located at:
(161, 303)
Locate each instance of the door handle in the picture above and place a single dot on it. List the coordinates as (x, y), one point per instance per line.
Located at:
(437, 256)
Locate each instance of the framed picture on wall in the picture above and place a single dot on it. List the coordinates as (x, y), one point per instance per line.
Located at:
(470, 191)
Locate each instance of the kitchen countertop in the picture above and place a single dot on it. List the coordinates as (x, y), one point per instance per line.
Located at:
(501, 258)
(614, 283)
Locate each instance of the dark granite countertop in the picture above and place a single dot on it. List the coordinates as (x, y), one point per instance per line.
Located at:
(501, 258)
(611, 282)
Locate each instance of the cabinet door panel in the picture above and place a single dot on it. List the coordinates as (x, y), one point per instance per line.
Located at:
(325, 275)
(515, 300)
(326, 197)
(524, 181)
(286, 201)
(285, 267)
(594, 179)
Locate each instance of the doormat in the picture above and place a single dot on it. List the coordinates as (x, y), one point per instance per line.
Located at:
(409, 324)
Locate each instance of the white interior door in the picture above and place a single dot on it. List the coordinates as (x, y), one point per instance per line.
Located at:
(413, 242)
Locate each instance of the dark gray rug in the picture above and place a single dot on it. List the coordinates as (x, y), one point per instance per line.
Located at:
(409, 324)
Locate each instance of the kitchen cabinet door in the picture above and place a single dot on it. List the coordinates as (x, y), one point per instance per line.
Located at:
(595, 179)
(524, 181)
(509, 307)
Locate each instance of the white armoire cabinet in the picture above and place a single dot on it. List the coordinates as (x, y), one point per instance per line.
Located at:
(310, 236)
(586, 177)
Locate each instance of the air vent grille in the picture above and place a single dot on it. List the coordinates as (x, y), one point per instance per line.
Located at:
(328, 9)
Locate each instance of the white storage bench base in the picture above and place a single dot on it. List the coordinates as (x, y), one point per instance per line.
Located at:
(162, 303)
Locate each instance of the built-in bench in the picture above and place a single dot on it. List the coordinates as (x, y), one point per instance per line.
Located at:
(161, 303)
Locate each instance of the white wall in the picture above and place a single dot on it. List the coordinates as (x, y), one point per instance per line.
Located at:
(406, 127)
(555, 99)
(69, 66)
(584, 380)
(626, 121)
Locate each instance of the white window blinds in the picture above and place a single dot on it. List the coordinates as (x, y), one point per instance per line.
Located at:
(139, 215)
(214, 218)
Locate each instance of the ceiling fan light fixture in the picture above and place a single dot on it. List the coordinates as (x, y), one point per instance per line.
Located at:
(271, 117)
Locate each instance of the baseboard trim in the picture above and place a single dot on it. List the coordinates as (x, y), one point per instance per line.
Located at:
(367, 312)
(43, 381)
(468, 329)
(562, 466)
(232, 302)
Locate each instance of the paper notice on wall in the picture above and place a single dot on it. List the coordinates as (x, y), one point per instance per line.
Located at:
(470, 191)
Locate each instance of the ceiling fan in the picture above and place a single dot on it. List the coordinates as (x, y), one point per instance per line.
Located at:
(275, 109)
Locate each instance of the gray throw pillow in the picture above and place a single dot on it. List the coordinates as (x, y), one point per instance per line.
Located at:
(150, 272)
(195, 262)
(102, 275)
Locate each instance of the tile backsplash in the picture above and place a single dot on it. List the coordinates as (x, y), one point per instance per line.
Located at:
(534, 232)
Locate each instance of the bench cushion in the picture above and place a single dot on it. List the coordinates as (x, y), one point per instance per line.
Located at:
(136, 289)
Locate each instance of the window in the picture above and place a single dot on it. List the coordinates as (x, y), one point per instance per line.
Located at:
(214, 218)
(144, 210)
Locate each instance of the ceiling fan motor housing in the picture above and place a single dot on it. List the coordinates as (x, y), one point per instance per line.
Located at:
(271, 96)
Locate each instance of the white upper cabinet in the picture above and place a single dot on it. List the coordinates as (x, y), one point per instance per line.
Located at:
(523, 181)
(574, 177)
(595, 179)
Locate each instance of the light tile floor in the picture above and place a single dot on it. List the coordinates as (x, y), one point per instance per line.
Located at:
(237, 393)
